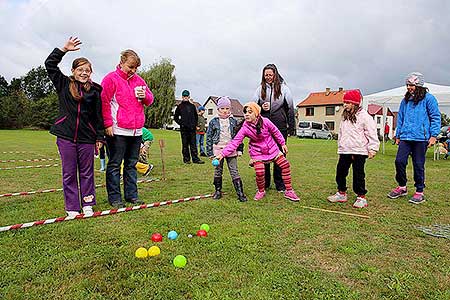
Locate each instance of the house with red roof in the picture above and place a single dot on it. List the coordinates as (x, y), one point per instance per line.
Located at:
(376, 111)
(326, 107)
(322, 107)
(237, 110)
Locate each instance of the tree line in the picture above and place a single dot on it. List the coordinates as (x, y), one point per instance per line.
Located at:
(31, 100)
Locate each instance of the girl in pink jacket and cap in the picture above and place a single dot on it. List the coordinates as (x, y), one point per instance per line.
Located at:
(263, 148)
(357, 140)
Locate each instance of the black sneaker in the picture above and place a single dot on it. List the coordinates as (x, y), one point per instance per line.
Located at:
(187, 162)
(203, 154)
(199, 162)
(135, 201)
(117, 204)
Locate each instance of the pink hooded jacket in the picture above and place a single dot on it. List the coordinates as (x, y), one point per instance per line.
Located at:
(263, 146)
(118, 85)
(360, 137)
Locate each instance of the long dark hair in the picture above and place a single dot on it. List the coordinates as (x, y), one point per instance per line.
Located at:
(277, 81)
(351, 115)
(417, 96)
(74, 86)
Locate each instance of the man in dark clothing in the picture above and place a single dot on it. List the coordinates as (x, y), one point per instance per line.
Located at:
(186, 116)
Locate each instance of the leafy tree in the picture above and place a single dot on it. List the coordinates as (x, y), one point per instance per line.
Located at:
(445, 120)
(45, 111)
(15, 87)
(161, 81)
(36, 84)
(3, 87)
(14, 111)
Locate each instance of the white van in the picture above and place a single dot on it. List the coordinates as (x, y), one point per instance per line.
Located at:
(313, 130)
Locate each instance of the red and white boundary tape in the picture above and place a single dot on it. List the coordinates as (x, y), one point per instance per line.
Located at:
(29, 167)
(28, 160)
(14, 152)
(60, 189)
(101, 213)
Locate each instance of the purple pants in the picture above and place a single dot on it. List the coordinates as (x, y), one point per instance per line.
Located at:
(77, 166)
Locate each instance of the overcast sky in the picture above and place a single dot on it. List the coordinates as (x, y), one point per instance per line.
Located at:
(220, 47)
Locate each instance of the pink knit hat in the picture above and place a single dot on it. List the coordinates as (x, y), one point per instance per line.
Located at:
(223, 101)
(353, 96)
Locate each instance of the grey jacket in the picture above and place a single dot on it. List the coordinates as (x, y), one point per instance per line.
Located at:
(281, 112)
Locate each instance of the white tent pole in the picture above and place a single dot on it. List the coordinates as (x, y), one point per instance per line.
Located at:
(383, 123)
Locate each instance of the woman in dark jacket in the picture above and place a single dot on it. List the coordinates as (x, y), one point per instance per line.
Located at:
(79, 127)
(275, 99)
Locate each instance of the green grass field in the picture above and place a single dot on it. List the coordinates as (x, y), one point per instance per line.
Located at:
(272, 249)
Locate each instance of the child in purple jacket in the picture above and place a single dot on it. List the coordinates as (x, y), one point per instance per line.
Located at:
(263, 148)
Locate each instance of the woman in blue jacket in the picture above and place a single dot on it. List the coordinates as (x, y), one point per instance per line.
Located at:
(418, 124)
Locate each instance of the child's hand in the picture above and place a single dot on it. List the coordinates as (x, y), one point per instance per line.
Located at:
(109, 131)
(72, 44)
(372, 154)
(284, 148)
(219, 157)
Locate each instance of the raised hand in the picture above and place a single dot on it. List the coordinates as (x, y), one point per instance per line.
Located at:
(72, 44)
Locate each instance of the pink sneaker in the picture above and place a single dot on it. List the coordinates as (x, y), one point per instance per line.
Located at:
(291, 196)
(259, 195)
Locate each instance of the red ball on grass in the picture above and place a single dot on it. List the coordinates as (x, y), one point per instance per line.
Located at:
(202, 233)
(157, 237)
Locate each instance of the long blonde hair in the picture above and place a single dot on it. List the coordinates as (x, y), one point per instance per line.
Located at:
(74, 85)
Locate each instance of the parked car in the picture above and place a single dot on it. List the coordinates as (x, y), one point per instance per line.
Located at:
(313, 130)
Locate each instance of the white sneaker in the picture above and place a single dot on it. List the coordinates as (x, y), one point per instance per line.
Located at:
(87, 211)
(338, 197)
(360, 203)
(71, 213)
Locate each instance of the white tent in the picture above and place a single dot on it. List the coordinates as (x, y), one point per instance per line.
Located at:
(392, 98)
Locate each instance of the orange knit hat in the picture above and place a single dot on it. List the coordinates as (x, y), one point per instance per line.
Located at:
(254, 107)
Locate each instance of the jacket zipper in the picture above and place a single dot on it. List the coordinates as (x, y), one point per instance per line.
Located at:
(270, 102)
(78, 117)
(78, 121)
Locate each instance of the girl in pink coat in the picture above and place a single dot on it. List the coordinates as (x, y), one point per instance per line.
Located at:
(263, 148)
(357, 141)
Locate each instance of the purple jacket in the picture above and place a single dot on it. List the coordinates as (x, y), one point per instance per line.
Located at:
(263, 146)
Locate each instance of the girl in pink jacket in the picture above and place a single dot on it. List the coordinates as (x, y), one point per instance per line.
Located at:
(263, 148)
(123, 98)
(357, 140)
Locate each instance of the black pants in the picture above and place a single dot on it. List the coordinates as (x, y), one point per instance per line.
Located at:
(359, 176)
(189, 145)
(279, 183)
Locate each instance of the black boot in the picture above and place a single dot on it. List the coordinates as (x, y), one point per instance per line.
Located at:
(218, 185)
(239, 189)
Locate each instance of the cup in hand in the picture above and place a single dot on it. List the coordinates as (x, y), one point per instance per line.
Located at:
(139, 92)
(266, 105)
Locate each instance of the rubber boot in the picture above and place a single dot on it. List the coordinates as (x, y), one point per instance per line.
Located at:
(218, 185)
(239, 189)
(102, 165)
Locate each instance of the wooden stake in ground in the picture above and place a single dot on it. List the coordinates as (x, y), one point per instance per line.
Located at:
(162, 145)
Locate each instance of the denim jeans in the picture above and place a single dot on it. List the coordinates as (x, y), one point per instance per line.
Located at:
(200, 141)
(417, 150)
(126, 149)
